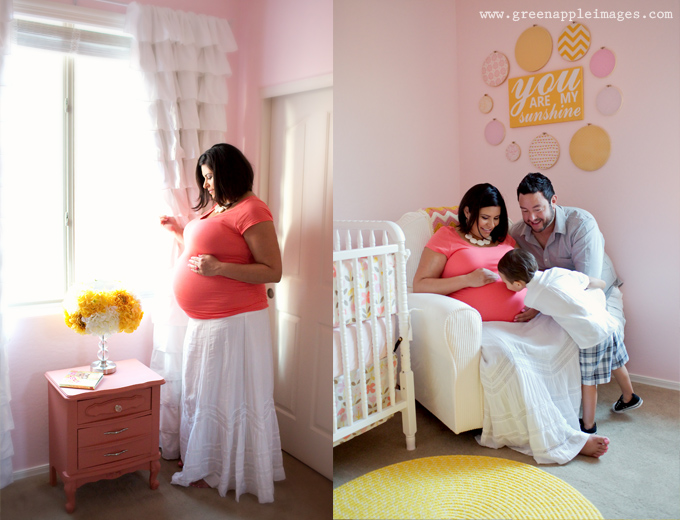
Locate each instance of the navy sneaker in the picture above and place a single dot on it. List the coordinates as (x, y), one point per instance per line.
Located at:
(620, 407)
(587, 430)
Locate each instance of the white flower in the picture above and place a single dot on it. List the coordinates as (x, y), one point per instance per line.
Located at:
(103, 323)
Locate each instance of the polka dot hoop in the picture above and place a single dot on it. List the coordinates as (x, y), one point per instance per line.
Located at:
(485, 104)
(494, 132)
(495, 69)
(512, 152)
(544, 151)
(602, 63)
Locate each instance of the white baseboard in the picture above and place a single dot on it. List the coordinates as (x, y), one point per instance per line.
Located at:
(653, 381)
(31, 472)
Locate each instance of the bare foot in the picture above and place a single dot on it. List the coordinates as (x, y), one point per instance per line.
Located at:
(595, 446)
(180, 463)
(200, 484)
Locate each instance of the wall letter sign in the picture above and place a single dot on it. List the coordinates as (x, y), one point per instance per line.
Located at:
(548, 97)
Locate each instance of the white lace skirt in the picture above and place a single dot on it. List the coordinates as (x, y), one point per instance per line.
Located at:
(229, 434)
(532, 390)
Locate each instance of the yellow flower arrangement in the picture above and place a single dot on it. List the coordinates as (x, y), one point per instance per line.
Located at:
(101, 309)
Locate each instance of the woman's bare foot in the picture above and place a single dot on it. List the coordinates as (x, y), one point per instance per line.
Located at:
(200, 484)
(595, 446)
(180, 463)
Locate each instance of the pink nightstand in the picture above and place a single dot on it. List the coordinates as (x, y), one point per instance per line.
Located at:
(106, 432)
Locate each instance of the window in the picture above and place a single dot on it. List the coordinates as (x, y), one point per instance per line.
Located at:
(80, 199)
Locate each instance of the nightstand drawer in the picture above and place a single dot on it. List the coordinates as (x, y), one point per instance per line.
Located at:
(112, 407)
(115, 432)
(114, 452)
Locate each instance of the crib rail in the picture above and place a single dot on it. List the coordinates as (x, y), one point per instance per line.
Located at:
(374, 242)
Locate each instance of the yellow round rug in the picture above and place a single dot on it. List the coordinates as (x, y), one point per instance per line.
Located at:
(460, 486)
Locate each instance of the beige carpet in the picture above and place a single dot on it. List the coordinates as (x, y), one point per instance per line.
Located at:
(304, 495)
(639, 478)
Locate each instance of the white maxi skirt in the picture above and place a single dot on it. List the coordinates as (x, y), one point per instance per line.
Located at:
(532, 390)
(229, 434)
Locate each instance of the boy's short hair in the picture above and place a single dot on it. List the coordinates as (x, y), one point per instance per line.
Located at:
(518, 265)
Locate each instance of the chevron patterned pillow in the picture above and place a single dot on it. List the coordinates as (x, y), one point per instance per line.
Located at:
(442, 216)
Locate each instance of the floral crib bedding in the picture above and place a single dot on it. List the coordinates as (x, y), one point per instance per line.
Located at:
(374, 393)
(370, 307)
(377, 273)
(362, 304)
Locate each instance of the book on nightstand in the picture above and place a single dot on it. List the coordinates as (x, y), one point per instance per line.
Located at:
(81, 379)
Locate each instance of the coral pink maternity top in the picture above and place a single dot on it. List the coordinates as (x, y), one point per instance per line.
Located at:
(209, 297)
(494, 301)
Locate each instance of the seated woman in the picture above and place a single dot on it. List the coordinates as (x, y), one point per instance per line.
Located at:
(530, 371)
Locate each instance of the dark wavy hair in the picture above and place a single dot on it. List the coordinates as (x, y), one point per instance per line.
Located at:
(478, 197)
(233, 175)
(534, 183)
(518, 265)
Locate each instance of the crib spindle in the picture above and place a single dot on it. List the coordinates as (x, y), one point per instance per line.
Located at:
(373, 294)
(361, 349)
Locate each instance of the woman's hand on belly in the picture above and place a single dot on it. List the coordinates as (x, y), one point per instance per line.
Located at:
(481, 277)
(205, 265)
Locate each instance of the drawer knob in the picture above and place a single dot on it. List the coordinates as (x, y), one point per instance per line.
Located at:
(118, 408)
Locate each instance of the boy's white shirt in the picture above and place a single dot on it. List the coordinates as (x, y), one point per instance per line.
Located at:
(564, 295)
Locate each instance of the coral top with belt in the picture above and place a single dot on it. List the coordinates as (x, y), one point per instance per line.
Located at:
(494, 301)
(210, 297)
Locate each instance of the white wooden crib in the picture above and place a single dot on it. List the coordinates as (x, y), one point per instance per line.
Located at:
(370, 316)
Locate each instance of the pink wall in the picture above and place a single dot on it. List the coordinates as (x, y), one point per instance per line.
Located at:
(396, 121)
(279, 41)
(644, 133)
(409, 134)
(285, 41)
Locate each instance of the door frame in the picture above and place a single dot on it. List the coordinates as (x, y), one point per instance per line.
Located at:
(267, 95)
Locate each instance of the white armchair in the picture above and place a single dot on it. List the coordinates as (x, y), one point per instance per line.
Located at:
(447, 333)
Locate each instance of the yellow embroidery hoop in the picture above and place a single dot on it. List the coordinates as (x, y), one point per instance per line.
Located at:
(590, 148)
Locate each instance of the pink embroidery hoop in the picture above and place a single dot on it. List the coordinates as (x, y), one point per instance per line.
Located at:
(602, 63)
(495, 69)
(512, 152)
(494, 132)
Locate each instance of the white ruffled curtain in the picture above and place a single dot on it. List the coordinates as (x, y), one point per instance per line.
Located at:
(182, 57)
(6, 422)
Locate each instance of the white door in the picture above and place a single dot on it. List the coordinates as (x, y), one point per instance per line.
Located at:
(301, 200)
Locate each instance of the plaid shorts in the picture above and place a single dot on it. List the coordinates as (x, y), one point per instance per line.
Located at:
(598, 362)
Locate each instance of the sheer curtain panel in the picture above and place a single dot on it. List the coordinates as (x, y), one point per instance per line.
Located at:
(182, 57)
(6, 422)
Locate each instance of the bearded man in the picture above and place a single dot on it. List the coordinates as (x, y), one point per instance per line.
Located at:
(561, 236)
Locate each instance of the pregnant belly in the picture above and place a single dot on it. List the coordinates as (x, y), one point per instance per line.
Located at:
(493, 301)
(209, 297)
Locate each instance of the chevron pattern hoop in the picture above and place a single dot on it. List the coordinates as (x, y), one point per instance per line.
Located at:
(574, 42)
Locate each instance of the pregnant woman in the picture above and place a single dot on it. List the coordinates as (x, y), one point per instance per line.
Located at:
(530, 371)
(229, 435)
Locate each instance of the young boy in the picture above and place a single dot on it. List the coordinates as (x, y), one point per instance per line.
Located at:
(578, 304)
